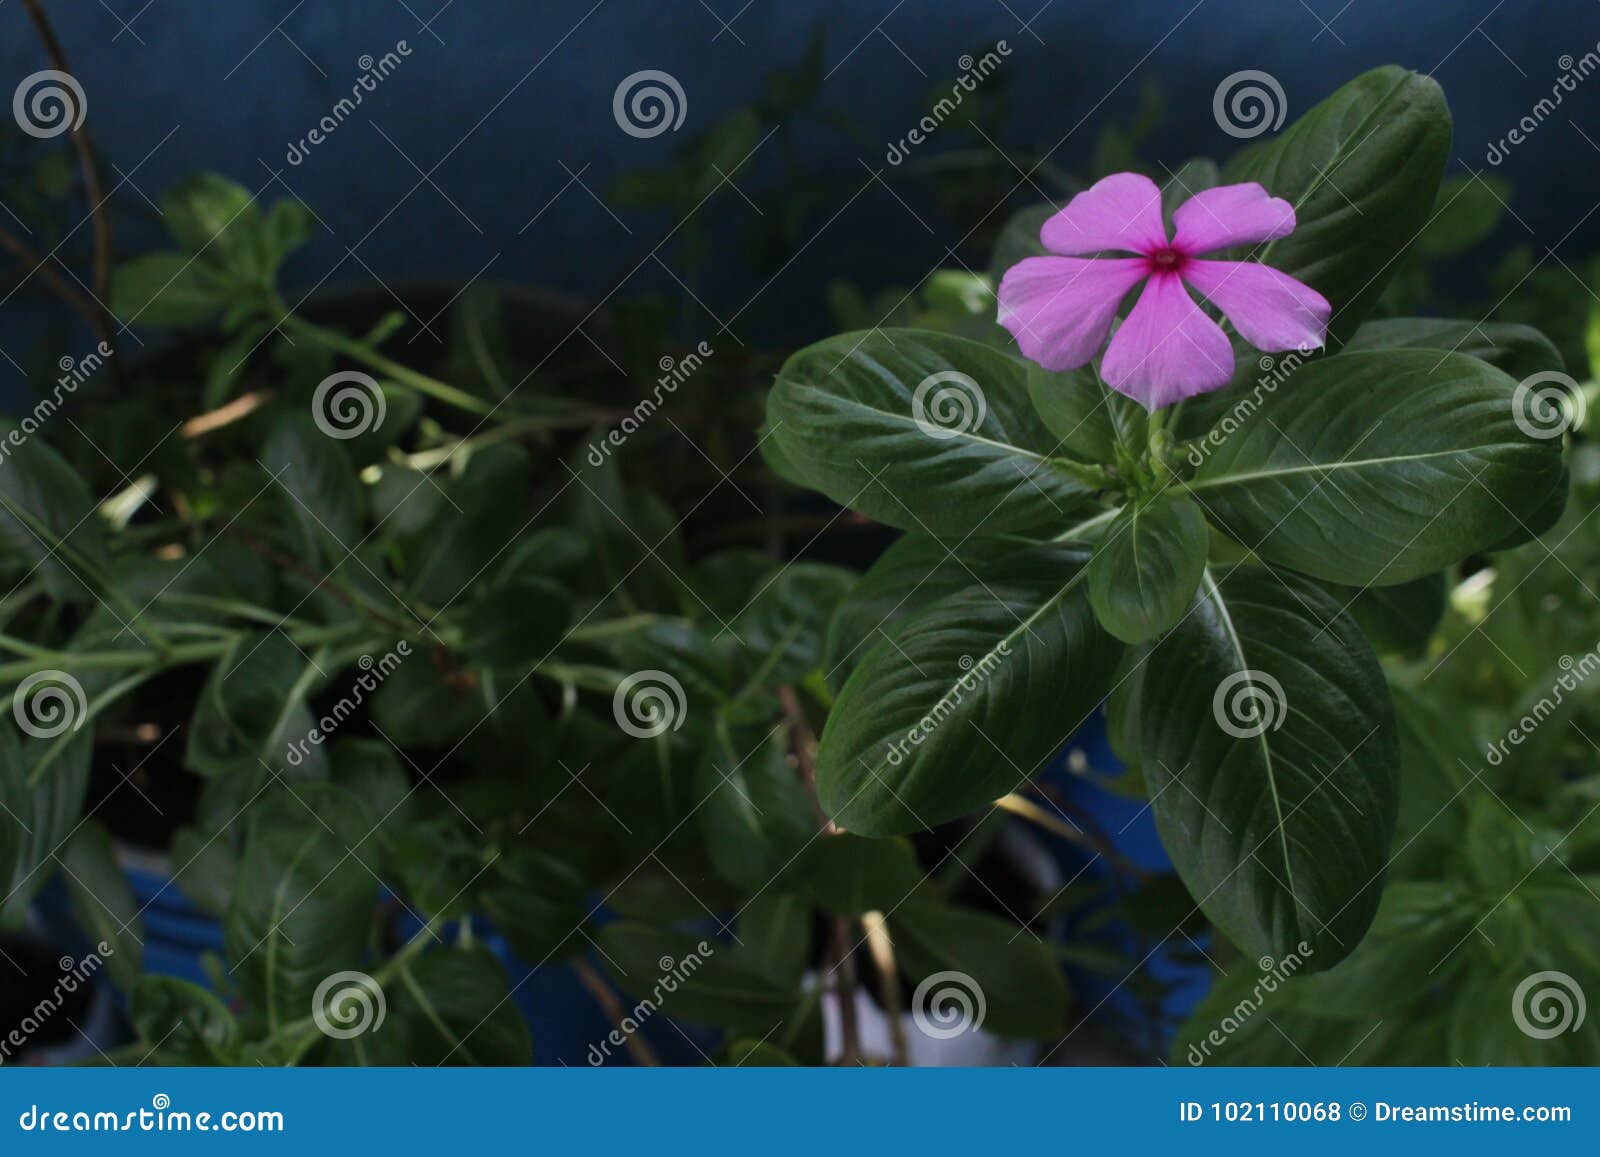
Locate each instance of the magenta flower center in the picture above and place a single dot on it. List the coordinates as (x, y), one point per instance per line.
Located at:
(1166, 260)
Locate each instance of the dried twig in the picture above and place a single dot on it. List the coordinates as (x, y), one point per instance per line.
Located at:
(612, 1007)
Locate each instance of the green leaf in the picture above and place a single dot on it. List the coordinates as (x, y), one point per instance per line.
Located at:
(253, 711)
(454, 1007)
(1092, 421)
(1362, 170)
(1399, 619)
(318, 486)
(167, 289)
(538, 903)
(1005, 971)
(912, 574)
(775, 929)
(849, 875)
(1465, 212)
(1379, 467)
(103, 902)
(182, 1021)
(755, 1054)
(303, 899)
(966, 699)
(920, 430)
(691, 978)
(1144, 574)
(786, 622)
(47, 515)
(1519, 350)
(1272, 764)
(515, 625)
(755, 814)
(36, 818)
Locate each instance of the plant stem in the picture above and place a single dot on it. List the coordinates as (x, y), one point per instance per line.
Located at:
(366, 355)
(881, 946)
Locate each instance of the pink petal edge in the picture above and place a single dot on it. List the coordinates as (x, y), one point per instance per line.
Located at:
(1122, 211)
(1271, 310)
(1230, 215)
(1060, 308)
(1167, 349)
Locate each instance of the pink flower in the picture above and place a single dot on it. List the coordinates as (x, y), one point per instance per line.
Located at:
(1060, 308)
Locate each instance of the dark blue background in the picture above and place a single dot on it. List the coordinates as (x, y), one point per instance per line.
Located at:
(502, 101)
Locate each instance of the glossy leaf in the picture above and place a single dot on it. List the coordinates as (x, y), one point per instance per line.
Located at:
(1379, 467)
(1144, 573)
(965, 700)
(1272, 764)
(922, 431)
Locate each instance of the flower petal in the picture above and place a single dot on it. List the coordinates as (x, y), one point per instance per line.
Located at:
(1167, 349)
(1270, 309)
(1122, 211)
(1230, 215)
(1060, 308)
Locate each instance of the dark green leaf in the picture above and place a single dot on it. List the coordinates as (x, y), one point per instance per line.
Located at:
(103, 902)
(1144, 573)
(185, 1024)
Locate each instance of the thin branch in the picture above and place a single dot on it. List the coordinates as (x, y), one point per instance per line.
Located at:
(612, 1007)
(93, 186)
